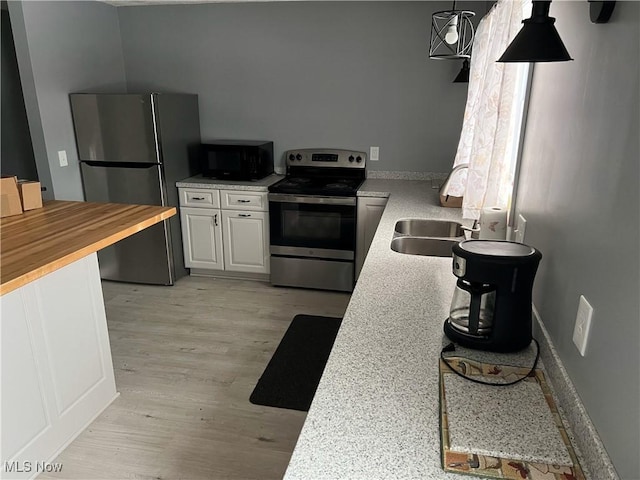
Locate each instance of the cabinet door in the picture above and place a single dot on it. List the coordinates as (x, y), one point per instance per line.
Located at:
(202, 238)
(246, 237)
(56, 370)
(369, 213)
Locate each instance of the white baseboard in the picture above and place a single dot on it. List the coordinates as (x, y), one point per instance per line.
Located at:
(203, 272)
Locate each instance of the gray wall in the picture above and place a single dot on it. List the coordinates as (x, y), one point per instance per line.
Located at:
(579, 193)
(63, 47)
(17, 153)
(307, 74)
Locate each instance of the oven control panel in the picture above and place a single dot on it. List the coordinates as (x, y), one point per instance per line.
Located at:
(326, 157)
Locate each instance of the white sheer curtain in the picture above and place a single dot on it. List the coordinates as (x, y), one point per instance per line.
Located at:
(493, 114)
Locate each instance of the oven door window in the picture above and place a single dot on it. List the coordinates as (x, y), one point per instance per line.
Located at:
(313, 225)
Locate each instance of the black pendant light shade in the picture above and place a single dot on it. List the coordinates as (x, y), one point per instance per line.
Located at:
(463, 76)
(538, 40)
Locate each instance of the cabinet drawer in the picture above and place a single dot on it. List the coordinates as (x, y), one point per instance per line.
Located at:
(243, 200)
(192, 197)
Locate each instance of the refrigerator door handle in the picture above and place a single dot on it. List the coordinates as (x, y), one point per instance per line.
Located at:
(92, 163)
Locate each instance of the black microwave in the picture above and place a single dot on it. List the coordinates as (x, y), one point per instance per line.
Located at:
(236, 159)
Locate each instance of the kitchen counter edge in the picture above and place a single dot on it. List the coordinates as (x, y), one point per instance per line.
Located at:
(375, 412)
(199, 181)
(41, 241)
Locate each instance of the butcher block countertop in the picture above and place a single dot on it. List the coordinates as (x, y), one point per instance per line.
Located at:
(41, 241)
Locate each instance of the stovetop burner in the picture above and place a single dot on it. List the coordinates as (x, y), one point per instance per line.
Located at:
(317, 186)
(322, 172)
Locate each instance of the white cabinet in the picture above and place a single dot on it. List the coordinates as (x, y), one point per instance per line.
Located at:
(202, 238)
(370, 211)
(57, 372)
(225, 230)
(246, 246)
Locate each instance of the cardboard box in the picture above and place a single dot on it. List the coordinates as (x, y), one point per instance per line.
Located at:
(10, 203)
(30, 194)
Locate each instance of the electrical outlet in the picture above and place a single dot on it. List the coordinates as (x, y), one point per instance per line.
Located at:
(583, 325)
(522, 225)
(374, 154)
(62, 158)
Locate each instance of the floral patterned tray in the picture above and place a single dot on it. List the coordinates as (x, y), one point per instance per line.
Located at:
(495, 467)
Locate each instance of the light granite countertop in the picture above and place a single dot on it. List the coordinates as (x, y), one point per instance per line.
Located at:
(199, 181)
(375, 414)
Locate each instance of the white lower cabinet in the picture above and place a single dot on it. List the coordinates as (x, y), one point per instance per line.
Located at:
(232, 239)
(57, 372)
(246, 243)
(202, 238)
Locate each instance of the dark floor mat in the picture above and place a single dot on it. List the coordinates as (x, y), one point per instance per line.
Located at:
(293, 373)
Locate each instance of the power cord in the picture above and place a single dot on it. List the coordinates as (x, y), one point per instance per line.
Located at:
(452, 348)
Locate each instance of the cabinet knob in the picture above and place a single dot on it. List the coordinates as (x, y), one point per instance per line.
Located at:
(215, 219)
(244, 215)
(197, 198)
(244, 201)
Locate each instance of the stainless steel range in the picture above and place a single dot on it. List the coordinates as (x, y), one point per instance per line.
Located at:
(312, 215)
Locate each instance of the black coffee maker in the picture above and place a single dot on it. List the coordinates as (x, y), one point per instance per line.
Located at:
(491, 306)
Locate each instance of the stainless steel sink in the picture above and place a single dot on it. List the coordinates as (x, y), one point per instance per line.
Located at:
(429, 247)
(418, 227)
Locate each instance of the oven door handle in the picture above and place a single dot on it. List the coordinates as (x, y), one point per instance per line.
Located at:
(286, 198)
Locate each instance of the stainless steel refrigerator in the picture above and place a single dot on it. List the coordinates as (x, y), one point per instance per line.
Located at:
(132, 149)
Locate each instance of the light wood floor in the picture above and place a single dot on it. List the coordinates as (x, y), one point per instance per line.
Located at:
(186, 360)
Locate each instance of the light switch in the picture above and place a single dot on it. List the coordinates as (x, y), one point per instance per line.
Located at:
(522, 225)
(62, 158)
(583, 325)
(374, 154)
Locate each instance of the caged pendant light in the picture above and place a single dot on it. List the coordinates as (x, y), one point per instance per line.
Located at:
(451, 34)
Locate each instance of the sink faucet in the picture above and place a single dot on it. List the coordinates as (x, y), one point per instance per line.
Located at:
(445, 185)
(474, 230)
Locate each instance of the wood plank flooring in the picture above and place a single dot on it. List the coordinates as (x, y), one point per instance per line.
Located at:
(186, 360)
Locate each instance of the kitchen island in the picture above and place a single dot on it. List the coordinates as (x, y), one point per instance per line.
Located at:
(57, 373)
(375, 414)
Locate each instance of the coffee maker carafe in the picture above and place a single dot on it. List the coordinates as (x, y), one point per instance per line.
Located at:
(491, 306)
